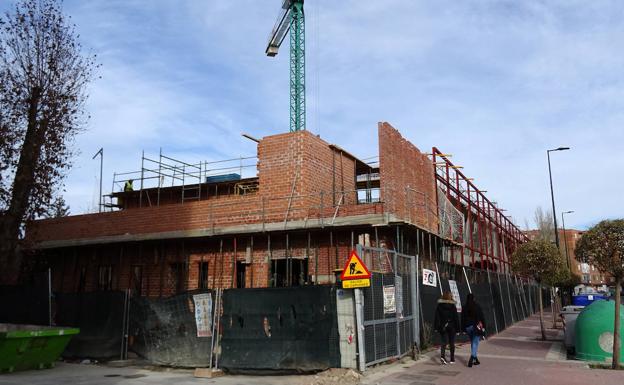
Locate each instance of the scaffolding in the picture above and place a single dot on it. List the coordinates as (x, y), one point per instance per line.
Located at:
(486, 237)
(192, 178)
(451, 220)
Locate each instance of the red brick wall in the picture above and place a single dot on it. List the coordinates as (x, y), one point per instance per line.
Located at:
(281, 157)
(329, 170)
(308, 163)
(407, 179)
(328, 250)
(154, 259)
(231, 210)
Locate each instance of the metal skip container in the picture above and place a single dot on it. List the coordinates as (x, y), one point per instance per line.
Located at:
(25, 347)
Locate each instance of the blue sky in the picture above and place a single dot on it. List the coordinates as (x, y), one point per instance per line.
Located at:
(495, 83)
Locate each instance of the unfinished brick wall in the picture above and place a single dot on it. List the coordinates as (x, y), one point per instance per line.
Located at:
(407, 179)
(221, 257)
(329, 170)
(230, 210)
(302, 165)
(279, 158)
(160, 265)
(299, 159)
(167, 267)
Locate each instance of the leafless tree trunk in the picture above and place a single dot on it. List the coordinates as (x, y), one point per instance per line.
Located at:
(616, 332)
(22, 187)
(43, 78)
(553, 307)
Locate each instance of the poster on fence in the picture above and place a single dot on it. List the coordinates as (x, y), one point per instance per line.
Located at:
(455, 293)
(429, 278)
(203, 314)
(389, 299)
(399, 296)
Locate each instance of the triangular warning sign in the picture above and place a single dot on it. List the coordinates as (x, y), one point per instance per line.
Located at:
(355, 268)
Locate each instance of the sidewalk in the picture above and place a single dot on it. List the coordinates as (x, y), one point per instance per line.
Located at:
(515, 356)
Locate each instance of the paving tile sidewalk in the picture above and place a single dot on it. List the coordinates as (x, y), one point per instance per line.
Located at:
(515, 356)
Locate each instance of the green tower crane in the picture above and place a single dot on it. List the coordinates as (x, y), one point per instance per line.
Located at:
(291, 18)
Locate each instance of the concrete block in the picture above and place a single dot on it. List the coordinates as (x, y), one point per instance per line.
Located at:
(208, 373)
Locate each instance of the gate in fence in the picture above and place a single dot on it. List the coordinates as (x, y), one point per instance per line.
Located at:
(387, 311)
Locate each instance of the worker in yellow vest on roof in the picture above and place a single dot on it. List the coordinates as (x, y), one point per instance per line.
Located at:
(128, 186)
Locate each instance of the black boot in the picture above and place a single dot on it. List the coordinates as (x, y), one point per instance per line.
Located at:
(476, 361)
(470, 361)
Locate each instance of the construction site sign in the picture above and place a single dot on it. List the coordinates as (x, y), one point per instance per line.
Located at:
(355, 283)
(355, 273)
(355, 268)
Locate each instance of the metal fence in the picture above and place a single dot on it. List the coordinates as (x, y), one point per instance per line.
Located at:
(389, 308)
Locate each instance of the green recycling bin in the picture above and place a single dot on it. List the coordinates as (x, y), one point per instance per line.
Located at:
(594, 332)
(25, 347)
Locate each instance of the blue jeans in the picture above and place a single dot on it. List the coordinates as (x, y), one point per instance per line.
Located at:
(474, 340)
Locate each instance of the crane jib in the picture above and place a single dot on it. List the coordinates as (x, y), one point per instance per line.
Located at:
(291, 19)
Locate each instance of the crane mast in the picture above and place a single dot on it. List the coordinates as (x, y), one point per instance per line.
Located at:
(291, 18)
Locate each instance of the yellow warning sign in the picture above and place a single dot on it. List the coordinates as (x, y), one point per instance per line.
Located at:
(355, 268)
(355, 283)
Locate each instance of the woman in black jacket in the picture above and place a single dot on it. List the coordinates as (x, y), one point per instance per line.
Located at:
(446, 322)
(473, 323)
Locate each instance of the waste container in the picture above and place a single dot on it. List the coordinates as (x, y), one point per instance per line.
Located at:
(594, 332)
(586, 299)
(569, 314)
(31, 346)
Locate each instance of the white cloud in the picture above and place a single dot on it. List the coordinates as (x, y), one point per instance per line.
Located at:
(496, 83)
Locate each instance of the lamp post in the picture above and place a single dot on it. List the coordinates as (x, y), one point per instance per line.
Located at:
(552, 194)
(565, 239)
(101, 154)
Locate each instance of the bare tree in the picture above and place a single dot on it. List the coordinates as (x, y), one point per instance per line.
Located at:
(43, 74)
(544, 223)
(603, 247)
(57, 209)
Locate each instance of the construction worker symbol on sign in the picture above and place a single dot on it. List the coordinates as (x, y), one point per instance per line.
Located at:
(355, 268)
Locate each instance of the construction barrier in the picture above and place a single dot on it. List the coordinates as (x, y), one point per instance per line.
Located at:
(505, 299)
(165, 331)
(26, 304)
(99, 316)
(292, 329)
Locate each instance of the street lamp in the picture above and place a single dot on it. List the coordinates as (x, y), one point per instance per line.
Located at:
(101, 154)
(552, 194)
(565, 239)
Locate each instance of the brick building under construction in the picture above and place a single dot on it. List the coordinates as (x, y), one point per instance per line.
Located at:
(292, 224)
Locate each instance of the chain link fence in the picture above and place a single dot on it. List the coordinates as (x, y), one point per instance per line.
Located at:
(390, 311)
